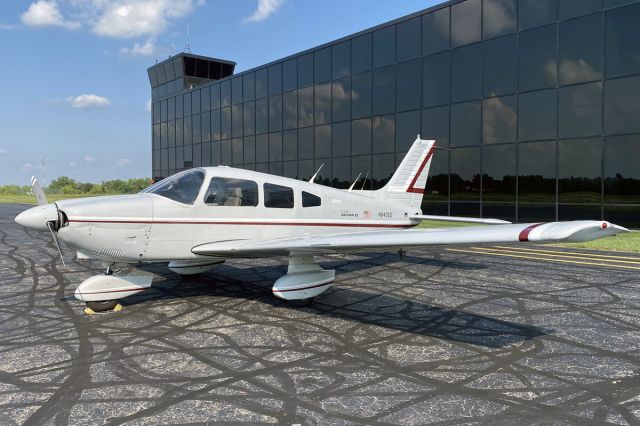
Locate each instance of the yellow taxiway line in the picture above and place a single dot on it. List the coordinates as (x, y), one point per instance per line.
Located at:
(539, 257)
(597, 256)
(568, 255)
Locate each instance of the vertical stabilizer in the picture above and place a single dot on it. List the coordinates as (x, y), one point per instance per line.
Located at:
(407, 184)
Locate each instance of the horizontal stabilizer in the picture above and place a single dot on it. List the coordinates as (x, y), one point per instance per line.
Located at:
(460, 219)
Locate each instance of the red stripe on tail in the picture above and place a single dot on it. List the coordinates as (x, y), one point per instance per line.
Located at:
(412, 187)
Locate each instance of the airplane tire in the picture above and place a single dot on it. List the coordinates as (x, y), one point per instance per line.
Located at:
(103, 305)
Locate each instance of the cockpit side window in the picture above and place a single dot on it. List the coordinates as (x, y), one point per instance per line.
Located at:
(277, 196)
(182, 187)
(310, 200)
(231, 192)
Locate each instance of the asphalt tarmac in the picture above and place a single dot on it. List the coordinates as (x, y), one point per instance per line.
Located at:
(504, 334)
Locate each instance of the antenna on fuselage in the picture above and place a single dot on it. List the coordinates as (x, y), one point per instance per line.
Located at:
(354, 182)
(316, 173)
(364, 182)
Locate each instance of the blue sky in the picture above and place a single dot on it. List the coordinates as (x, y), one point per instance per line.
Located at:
(73, 81)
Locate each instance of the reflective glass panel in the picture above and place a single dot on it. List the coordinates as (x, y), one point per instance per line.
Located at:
(182, 187)
(290, 145)
(407, 128)
(361, 164)
(622, 170)
(581, 110)
(205, 123)
(262, 116)
(538, 115)
(322, 141)
(361, 95)
(196, 129)
(571, 8)
(361, 53)
(408, 39)
(623, 41)
(382, 170)
(275, 146)
(237, 152)
(465, 174)
(236, 90)
(408, 85)
(248, 87)
(341, 175)
(384, 46)
(249, 118)
(384, 90)
(163, 110)
(499, 17)
(215, 96)
(179, 107)
(275, 113)
(466, 124)
(290, 74)
(322, 65)
(225, 93)
(435, 80)
(341, 99)
(341, 59)
(188, 135)
(225, 123)
(621, 105)
(341, 139)
(262, 85)
(500, 66)
(236, 121)
(322, 103)
(499, 173)
(310, 200)
(465, 22)
(538, 63)
(581, 47)
(262, 148)
(249, 149)
(305, 143)
(290, 169)
(499, 119)
(466, 73)
(533, 13)
(305, 107)
(275, 79)
(580, 181)
(171, 109)
(305, 70)
(384, 134)
(171, 133)
(537, 172)
(437, 188)
(361, 137)
(435, 31)
(435, 125)
(186, 99)
(215, 125)
(290, 110)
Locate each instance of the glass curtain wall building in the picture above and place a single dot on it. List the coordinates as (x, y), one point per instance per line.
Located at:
(536, 101)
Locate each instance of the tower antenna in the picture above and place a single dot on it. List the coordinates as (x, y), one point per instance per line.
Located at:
(187, 48)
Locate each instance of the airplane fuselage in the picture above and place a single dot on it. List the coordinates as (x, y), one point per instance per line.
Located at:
(149, 227)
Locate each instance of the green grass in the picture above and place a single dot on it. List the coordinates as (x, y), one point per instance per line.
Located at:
(31, 199)
(628, 243)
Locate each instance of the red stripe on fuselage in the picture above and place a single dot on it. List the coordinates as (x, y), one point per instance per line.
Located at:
(412, 187)
(524, 234)
(161, 222)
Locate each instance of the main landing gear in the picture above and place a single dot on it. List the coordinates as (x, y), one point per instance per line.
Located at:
(304, 280)
(101, 292)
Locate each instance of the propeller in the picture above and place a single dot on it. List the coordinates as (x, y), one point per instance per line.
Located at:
(53, 226)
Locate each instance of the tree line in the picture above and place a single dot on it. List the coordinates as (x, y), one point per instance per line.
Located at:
(67, 185)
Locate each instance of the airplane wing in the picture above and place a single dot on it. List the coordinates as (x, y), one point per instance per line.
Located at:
(575, 231)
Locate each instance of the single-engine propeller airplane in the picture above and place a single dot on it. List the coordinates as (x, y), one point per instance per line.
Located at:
(195, 219)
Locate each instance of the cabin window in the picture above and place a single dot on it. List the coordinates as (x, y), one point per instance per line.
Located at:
(182, 187)
(310, 200)
(277, 196)
(231, 192)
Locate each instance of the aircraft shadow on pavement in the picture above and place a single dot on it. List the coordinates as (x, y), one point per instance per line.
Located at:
(364, 307)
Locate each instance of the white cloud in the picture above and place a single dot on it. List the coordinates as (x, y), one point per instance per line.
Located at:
(46, 13)
(88, 101)
(265, 9)
(27, 167)
(121, 163)
(147, 105)
(87, 161)
(3, 151)
(136, 18)
(7, 27)
(148, 48)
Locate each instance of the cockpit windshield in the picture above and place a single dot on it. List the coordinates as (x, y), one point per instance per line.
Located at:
(182, 187)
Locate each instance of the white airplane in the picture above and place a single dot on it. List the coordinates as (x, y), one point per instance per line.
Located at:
(195, 219)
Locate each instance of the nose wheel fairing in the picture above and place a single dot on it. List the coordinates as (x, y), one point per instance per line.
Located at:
(111, 287)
